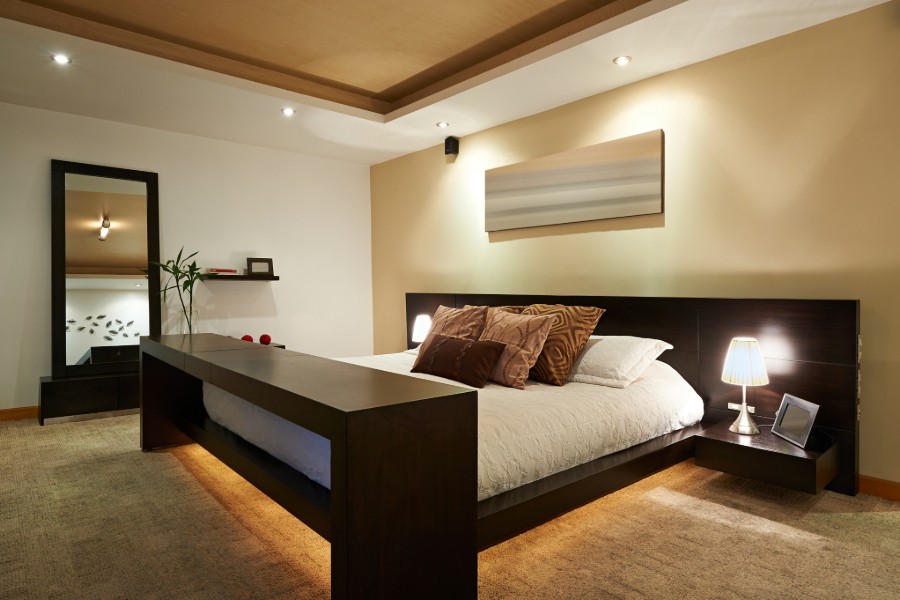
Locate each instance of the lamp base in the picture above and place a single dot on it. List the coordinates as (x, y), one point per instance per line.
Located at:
(744, 425)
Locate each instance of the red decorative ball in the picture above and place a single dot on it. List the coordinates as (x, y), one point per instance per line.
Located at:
(247, 338)
(264, 339)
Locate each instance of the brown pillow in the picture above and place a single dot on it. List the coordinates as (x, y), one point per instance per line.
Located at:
(569, 334)
(512, 309)
(466, 323)
(466, 361)
(524, 337)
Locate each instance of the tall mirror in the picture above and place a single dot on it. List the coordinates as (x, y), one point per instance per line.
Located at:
(105, 233)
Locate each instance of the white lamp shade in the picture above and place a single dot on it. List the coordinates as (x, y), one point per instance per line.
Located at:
(744, 364)
(420, 328)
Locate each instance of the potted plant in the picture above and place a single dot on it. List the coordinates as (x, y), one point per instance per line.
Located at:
(182, 277)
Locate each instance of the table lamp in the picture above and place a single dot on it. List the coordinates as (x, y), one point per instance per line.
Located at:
(744, 365)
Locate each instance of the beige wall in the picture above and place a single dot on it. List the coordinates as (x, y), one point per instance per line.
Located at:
(782, 180)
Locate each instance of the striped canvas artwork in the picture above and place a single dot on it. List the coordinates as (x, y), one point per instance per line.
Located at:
(620, 178)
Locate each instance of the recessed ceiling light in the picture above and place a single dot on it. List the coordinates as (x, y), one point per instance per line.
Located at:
(137, 285)
(622, 60)
(442, 124)
(287, 111)
(61, 59)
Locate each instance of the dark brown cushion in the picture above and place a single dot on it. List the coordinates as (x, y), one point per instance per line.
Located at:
(568, 335)
(466, 323)
(467, 361)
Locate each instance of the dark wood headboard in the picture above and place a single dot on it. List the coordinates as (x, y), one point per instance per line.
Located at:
(811, 349)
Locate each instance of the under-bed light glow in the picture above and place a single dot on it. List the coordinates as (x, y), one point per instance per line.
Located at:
(420, 328)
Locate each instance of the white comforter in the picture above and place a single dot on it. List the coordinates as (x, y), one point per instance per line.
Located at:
(523, 435)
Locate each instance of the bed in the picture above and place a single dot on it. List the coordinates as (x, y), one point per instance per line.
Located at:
(523, 435)
(400, 509)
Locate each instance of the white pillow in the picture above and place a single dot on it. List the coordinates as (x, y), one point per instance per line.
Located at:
(615, 361)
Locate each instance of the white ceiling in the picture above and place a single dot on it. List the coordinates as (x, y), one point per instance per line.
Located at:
(121, 85)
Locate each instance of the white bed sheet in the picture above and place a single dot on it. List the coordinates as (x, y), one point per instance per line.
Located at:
(523, 435)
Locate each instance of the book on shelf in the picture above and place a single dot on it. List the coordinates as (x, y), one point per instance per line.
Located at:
(219, 271)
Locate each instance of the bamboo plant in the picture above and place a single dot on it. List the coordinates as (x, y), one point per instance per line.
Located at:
(182, 277)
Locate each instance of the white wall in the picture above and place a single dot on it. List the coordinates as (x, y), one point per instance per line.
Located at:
(226, 200)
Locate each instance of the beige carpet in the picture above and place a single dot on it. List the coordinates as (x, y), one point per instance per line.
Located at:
(85, 514)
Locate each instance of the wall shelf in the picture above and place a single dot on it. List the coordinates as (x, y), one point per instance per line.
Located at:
(242, 278)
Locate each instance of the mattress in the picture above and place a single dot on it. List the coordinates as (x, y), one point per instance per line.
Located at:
(523, 435)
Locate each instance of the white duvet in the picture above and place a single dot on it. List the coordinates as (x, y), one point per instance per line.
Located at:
(523, 435)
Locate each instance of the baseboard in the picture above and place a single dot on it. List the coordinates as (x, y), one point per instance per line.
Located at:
(24, 412)
(879, 487)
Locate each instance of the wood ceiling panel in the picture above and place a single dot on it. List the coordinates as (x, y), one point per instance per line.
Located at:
(377, 56)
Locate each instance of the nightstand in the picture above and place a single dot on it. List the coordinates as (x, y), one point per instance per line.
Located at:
(767, 457)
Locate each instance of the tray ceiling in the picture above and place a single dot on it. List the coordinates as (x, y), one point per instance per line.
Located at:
(376, 56)
(349, 69)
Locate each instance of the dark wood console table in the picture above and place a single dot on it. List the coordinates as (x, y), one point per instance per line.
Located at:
(401, 512)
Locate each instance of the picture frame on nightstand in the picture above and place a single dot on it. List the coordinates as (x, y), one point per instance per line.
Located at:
(794, 419)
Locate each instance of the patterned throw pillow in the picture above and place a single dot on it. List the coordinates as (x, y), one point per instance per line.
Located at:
(465, 323)
(524, 337)
(467, 361)
(573, 326)
(511, 309)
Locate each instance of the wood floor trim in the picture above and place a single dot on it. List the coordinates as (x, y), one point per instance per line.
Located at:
(879, 487)
(23, 412)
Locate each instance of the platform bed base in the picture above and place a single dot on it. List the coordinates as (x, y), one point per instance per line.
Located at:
(506, 515)
(298, 494)
(500, 517)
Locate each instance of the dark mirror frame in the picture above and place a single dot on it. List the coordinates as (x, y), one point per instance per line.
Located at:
(58, 171)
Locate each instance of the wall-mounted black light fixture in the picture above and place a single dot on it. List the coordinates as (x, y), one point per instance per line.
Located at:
(451, 145)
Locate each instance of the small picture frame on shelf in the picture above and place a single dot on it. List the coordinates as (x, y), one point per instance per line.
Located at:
(794, 419)
(260, 267)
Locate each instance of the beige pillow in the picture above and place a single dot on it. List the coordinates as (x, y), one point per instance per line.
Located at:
(616, 361)
(524, 337)
(464, 323)
(573, 326)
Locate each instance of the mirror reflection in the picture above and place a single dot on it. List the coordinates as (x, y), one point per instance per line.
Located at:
(105, 257)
